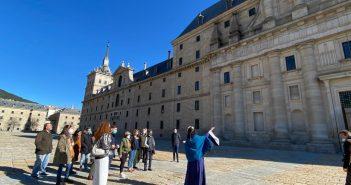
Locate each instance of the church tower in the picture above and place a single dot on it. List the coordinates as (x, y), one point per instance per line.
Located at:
(100, 78)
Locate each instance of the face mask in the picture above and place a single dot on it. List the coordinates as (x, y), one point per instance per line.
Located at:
(70, 131)
(114, 131)
(128, 136)
(343, 140)
(90, 132)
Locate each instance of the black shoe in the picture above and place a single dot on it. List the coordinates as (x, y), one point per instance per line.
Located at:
(69, 181)
(73, 173)
(43, 174)
(145, 170)
(35, 177)
(149, 169)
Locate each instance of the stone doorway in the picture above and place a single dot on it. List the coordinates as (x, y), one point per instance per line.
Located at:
(345, 101)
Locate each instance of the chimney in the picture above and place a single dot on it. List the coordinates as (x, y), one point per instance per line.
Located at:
(169, 54)
(145, 66)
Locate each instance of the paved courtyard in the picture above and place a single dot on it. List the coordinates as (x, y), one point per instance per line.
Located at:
(224, 166)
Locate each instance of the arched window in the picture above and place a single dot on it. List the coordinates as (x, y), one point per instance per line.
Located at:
(120, 81)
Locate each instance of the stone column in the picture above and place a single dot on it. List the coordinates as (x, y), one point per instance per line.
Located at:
(299, 10)
(278, 98)
(239, 113)
(313, 96)
(268, 10)
(217, 101)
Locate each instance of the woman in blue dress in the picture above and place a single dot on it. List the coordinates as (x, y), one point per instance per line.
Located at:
(195, 148)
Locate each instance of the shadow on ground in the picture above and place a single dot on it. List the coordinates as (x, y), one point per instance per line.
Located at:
(129, 181)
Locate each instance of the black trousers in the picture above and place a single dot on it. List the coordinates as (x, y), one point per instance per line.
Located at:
(148, 161)
(175, 152)
(348, 176)
(123, 161)
(144, 154)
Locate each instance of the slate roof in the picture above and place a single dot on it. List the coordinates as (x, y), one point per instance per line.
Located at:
(155, 70)
(210, 13)
(21, 105)
(70, 111)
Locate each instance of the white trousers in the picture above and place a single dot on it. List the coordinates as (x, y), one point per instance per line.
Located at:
(101, 171)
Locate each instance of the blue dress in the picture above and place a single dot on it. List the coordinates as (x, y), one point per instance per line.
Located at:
(195, 149)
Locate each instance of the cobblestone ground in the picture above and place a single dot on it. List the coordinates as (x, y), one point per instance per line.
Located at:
(224, 166)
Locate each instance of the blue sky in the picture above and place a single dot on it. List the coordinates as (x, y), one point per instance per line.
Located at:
(47, 47)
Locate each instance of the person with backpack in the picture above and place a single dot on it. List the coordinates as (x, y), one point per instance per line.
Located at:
(150, 145)
(100, 152)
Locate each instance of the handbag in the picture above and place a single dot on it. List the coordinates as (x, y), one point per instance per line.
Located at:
(98, 152)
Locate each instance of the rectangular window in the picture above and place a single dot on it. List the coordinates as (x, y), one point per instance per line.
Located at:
(256, 97)
(254, 71)
(226, 101)
(177, 124)
(179, 75)
(138, 98)
(197, 124)
(226, 77)
(179, 89)
(180, 61)
(197, 55)
(181, 46)
(347, 49)
(161, 125)
(125, 126)
(197, 105)
(258, 121)
(198, 38)
(162, 109)
(148, 125)
(294, 92)
(290, 63)
(163, 93)
(197, 69)
(148, 111)
(197, 85)
(128, 101)
(137, 113)
(127, 114)
(136, 125)
(226, 24)
(252, 12)
(150, 96)
(164, 79)
(121, 102)
(178, 107)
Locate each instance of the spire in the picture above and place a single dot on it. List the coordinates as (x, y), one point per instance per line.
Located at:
(106, 61)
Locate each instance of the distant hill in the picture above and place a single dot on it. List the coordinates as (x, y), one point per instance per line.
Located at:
(9, 96)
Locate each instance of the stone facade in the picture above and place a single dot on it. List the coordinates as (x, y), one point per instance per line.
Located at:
(20, 116)
(264, 72)
(64, 117)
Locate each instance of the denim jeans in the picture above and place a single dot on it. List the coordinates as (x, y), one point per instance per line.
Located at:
(60, 169)
(131, 158)
(41, 163)
(84, 159)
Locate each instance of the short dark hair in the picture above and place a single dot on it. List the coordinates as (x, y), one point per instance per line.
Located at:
(46, 124)
(346, 132)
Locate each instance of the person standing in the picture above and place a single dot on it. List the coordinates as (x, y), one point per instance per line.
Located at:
(43, 148)
(150, 145)
(134, 148)
(101, 162)
(143, 141)
(124, 149)
(175, 144)
(114, 143)
(86, 146)
(64, 154)
(195, 148)
(345, 136)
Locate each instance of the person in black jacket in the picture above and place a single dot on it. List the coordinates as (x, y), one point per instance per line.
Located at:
(175, 144)
(150, 145)
(86, 147)
(345, 136)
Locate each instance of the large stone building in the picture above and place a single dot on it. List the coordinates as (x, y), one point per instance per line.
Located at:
(21, 116)
(272, 73)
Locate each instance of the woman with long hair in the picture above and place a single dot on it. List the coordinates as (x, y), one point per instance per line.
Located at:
(64, 154)
(101, 163)
(195, 148)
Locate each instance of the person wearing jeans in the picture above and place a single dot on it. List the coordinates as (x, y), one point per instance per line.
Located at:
(134, 148)
(43, 144)
(86, 147)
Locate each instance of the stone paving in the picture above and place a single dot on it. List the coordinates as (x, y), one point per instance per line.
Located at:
(224, 166)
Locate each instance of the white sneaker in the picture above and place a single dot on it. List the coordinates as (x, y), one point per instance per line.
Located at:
(122, 176)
